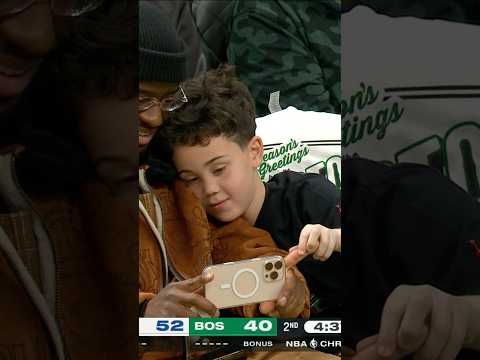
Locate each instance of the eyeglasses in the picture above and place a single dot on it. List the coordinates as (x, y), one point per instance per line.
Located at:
(167, 103)
(59, 7)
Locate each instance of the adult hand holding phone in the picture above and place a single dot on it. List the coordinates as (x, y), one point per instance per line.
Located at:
(290, 302)
(182, 299)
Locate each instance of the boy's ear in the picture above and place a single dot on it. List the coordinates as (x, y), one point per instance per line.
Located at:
(255, 150)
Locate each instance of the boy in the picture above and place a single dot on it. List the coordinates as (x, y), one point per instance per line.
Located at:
(212, 143)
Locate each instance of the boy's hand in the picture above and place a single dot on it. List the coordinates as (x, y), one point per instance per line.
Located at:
(317, 240)
(291, 301)
(420, 320)
(182, 299)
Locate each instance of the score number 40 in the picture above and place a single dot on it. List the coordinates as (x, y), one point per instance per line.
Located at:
(263, 325)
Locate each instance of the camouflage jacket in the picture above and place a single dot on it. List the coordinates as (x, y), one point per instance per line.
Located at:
(291, 46)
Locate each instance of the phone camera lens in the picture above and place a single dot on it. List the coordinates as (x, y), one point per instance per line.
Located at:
(273, 275)
(269, 266)
(278, 265)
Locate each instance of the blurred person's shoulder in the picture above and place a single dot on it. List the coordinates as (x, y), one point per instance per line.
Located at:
(294, 199)
(409, 188)
(289, 177)
(293, 183)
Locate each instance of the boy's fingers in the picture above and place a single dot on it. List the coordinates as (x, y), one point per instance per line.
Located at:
(293, 248)
(328, 252)
(439, 330)
(413, 331)
(302, 240)
(366, 342)
(330, 249)
(456, 339)
(337, 240)
(361, 345)
(293, 258)
(370, 353)
(392, 315)
(318, 242)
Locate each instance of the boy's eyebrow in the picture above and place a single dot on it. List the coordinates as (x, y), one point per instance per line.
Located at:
(207, 163)
(214, 159)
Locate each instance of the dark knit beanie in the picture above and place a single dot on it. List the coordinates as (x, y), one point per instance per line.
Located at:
(162, 53)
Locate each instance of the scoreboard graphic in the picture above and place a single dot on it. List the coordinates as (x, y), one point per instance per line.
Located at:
(235, 327)
(264, 333)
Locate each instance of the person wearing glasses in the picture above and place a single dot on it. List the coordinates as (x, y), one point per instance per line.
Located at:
(58, 299)
(163, 58)
(162, 67)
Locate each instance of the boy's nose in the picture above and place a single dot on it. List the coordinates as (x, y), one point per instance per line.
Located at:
(210, 186)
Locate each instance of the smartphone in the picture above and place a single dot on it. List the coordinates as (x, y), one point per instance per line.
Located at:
(245, 282)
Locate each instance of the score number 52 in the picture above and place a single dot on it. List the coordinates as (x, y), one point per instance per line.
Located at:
(169, 325)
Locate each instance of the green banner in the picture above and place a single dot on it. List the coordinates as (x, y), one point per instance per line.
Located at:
(233, 327)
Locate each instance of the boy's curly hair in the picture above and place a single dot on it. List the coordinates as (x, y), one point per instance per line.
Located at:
(218, 105)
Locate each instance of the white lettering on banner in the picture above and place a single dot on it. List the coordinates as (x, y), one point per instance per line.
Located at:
(451, 146)
(208, 325)
(358, 122)
(302, 141)
(400, 104)
(313, 157)
(282, 156)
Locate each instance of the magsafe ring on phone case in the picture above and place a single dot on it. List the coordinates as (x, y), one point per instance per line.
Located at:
(243, 281)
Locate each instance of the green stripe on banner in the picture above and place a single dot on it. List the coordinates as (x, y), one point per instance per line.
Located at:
(233, 327)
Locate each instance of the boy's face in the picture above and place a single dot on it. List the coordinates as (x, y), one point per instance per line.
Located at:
(222, 175)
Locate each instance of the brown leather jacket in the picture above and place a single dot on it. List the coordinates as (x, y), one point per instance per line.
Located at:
(192, 243)
(74, 304)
